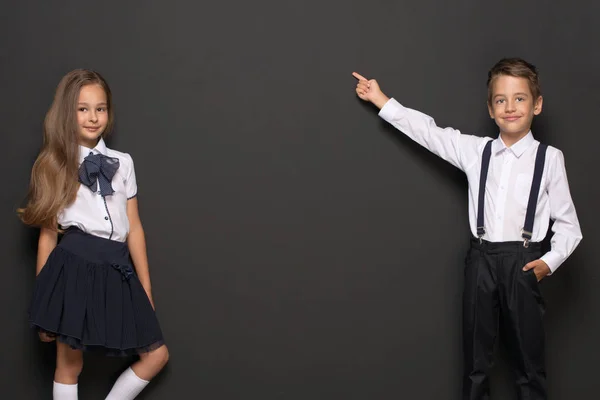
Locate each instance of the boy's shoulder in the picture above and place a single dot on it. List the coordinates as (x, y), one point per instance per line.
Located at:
(554, 159)
(552, 152)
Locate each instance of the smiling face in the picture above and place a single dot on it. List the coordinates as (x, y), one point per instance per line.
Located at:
(92, 114)
(512, 105)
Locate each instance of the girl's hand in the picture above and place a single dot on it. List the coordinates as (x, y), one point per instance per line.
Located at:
(46, 337)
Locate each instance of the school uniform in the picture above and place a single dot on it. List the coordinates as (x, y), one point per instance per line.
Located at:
(88, 294)
(508, 219)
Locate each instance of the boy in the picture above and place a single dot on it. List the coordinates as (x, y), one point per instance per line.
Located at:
(523, 185)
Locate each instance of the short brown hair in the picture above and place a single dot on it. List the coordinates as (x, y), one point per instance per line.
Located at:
(518, 68)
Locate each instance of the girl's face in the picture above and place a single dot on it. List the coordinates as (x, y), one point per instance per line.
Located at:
(92, 114)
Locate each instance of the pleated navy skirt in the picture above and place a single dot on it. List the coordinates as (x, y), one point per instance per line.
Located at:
(89, 296)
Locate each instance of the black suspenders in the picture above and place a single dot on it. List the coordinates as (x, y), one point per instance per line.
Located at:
(485, 166)
(540, 159)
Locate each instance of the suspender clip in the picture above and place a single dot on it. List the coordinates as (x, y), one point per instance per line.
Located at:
(526, 237)
(480, 233)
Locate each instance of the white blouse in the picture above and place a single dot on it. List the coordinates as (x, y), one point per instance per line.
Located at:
(105, 217)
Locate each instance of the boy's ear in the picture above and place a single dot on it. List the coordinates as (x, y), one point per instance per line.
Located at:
(537, 108)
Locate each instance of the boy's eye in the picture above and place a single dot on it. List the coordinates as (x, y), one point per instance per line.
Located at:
(520, 99)
(499, 101)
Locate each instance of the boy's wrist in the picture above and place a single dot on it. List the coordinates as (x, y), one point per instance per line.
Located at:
(380, 100)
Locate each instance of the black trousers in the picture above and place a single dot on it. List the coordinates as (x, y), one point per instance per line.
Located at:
(498, 294)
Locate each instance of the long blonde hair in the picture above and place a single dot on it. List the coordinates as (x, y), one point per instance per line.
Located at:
(54, 176)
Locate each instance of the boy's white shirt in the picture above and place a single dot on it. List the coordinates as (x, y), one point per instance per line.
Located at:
(508, 183)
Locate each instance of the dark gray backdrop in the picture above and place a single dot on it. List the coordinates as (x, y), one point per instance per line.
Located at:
(299, 247)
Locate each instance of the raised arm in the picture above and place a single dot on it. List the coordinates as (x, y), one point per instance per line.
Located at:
(448, 143)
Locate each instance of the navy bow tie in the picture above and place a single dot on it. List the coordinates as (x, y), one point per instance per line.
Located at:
(98, 168)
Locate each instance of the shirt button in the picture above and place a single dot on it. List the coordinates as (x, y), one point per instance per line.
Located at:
(106, 218)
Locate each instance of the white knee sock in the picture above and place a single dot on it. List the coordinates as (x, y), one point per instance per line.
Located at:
(127, 386)
(61, 391)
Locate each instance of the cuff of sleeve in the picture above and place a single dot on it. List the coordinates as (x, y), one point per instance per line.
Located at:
(391, 109)
(553, 260)
(131, 197)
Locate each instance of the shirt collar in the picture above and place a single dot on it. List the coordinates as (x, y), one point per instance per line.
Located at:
(517, 149)
(85, 151)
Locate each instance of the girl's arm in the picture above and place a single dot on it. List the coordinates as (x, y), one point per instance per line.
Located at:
(137, 247)
(46, 243)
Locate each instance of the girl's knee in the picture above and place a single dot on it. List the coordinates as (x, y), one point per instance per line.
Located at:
(163, 355)
(159, 356)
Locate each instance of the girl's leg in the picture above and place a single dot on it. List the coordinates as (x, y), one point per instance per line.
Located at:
(151, 363)
(69, 364)
(134, 379)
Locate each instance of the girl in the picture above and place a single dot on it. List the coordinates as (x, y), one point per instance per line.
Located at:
(87, 295)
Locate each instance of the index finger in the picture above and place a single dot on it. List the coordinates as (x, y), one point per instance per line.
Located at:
(359, 76)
